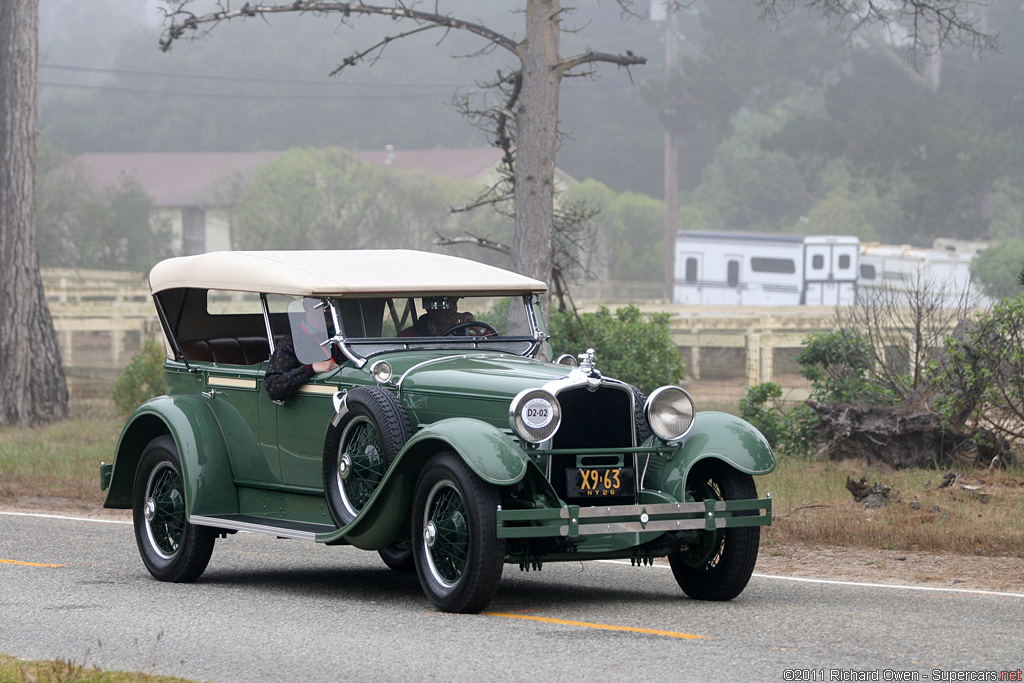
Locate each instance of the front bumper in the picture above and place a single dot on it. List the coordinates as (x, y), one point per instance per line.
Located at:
(575, 521)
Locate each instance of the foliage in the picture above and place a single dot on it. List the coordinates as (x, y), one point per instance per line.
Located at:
(68, 671)
(750, 187)
(112, 228)
(793, 431)
(840, 366)
(142, 379)
(312, 199)
(983, 372)
(630, 232)
(997, 268)
(631, 346)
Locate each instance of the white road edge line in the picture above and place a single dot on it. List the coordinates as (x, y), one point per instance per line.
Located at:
(974, 591)
(623, 562)
(72, 519)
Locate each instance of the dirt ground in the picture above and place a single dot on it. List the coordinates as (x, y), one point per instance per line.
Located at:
(819, 562)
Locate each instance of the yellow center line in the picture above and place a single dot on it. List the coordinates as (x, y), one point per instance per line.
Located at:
(30, 564)
(606, 627)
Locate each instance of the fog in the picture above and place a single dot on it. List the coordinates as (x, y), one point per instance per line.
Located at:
(785, 126)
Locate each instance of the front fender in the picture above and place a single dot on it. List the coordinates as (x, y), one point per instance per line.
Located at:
(206, 471)
(492, 455)
(718, 436)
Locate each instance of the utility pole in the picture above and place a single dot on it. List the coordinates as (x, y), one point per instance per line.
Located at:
(671, 155)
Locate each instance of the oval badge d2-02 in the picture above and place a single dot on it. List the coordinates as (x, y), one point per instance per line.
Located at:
(537, 413)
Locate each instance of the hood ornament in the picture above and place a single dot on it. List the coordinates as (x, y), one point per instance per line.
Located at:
(588, 366)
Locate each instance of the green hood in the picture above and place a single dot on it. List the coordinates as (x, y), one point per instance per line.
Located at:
(476, 376)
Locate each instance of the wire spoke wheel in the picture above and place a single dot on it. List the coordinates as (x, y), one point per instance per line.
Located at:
(361, 463)
(172, 548)
(361, 444)
(456, 551)
(165, 510)
(446, 533)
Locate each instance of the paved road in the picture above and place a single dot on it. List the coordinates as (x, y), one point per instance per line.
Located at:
(275, 610)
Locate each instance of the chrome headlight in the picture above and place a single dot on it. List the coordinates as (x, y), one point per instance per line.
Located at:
(535, 415)
(381, 372)
(669, 412)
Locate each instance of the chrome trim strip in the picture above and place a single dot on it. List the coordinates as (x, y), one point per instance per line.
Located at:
(234, 525)
(638, 527)
(235, 382)
(319, 389)
(636, 510)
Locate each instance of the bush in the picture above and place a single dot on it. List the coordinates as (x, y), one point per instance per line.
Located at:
(840, 366)
(142, 379)
(793, 432)
(630, 346)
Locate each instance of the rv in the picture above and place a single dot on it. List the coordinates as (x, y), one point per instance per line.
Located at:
(901, 270)
(762, 270)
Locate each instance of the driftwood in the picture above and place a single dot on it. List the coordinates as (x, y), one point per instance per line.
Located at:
(904, 436)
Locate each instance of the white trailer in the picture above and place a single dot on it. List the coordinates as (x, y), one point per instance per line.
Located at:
(761, 270)
(900, 270)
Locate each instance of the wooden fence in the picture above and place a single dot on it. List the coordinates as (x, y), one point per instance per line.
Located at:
(103, 317)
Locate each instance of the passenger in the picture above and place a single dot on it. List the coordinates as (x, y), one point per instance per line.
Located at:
(285, 372)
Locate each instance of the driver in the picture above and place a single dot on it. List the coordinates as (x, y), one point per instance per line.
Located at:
(441, 315)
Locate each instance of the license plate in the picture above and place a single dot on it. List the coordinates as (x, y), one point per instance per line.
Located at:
(599, 481)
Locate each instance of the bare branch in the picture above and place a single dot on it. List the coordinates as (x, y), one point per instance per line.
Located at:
(588, 57)
(931, 24)
(470, 238)
(184, 23)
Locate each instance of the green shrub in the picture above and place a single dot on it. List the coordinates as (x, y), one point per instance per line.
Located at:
(630, 346)
(840, 366)
(142, 379)
(793, 431)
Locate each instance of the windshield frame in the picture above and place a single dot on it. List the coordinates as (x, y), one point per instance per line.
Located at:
(360, 349)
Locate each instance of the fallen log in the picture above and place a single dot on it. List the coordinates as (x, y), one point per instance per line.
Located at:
(903, 436)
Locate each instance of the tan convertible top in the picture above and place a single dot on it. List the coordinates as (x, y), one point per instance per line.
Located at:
(393, 272)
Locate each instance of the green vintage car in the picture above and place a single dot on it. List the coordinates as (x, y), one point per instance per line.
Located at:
(434, 438)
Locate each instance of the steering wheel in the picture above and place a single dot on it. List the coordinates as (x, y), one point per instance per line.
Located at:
(461, 327)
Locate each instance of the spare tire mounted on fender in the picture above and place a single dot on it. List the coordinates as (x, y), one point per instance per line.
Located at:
(359, 449)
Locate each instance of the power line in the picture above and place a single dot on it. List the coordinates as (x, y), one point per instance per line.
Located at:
(247, 79)
(240, 96)
(280, 80)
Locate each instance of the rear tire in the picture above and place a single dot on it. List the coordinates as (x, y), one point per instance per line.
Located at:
(458, 556)
(171, 548)
(398, 556)
(720, 566)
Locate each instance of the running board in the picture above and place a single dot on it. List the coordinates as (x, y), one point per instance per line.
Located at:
(282, 528)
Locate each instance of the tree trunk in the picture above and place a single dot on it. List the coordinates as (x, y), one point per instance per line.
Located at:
(536, 119)
(32, 383)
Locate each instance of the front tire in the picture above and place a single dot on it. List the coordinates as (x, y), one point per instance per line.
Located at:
(458, 556)
(171, 548)
(720, 566)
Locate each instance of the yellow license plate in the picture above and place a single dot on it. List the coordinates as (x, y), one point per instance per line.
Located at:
(599, 481)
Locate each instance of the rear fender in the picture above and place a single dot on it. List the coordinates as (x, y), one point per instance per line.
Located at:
(206, 473)
(714, 436)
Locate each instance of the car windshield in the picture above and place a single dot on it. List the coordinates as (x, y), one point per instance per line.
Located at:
(374, 325)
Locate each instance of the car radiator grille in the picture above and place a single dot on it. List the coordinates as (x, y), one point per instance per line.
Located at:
(594, 419)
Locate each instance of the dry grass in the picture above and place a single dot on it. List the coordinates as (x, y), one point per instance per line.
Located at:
(59, 461)
(66, 671)
(813, 506)
(58, 465)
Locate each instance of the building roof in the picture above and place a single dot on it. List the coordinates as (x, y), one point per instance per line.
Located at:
(385, 272)
(175, 179)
